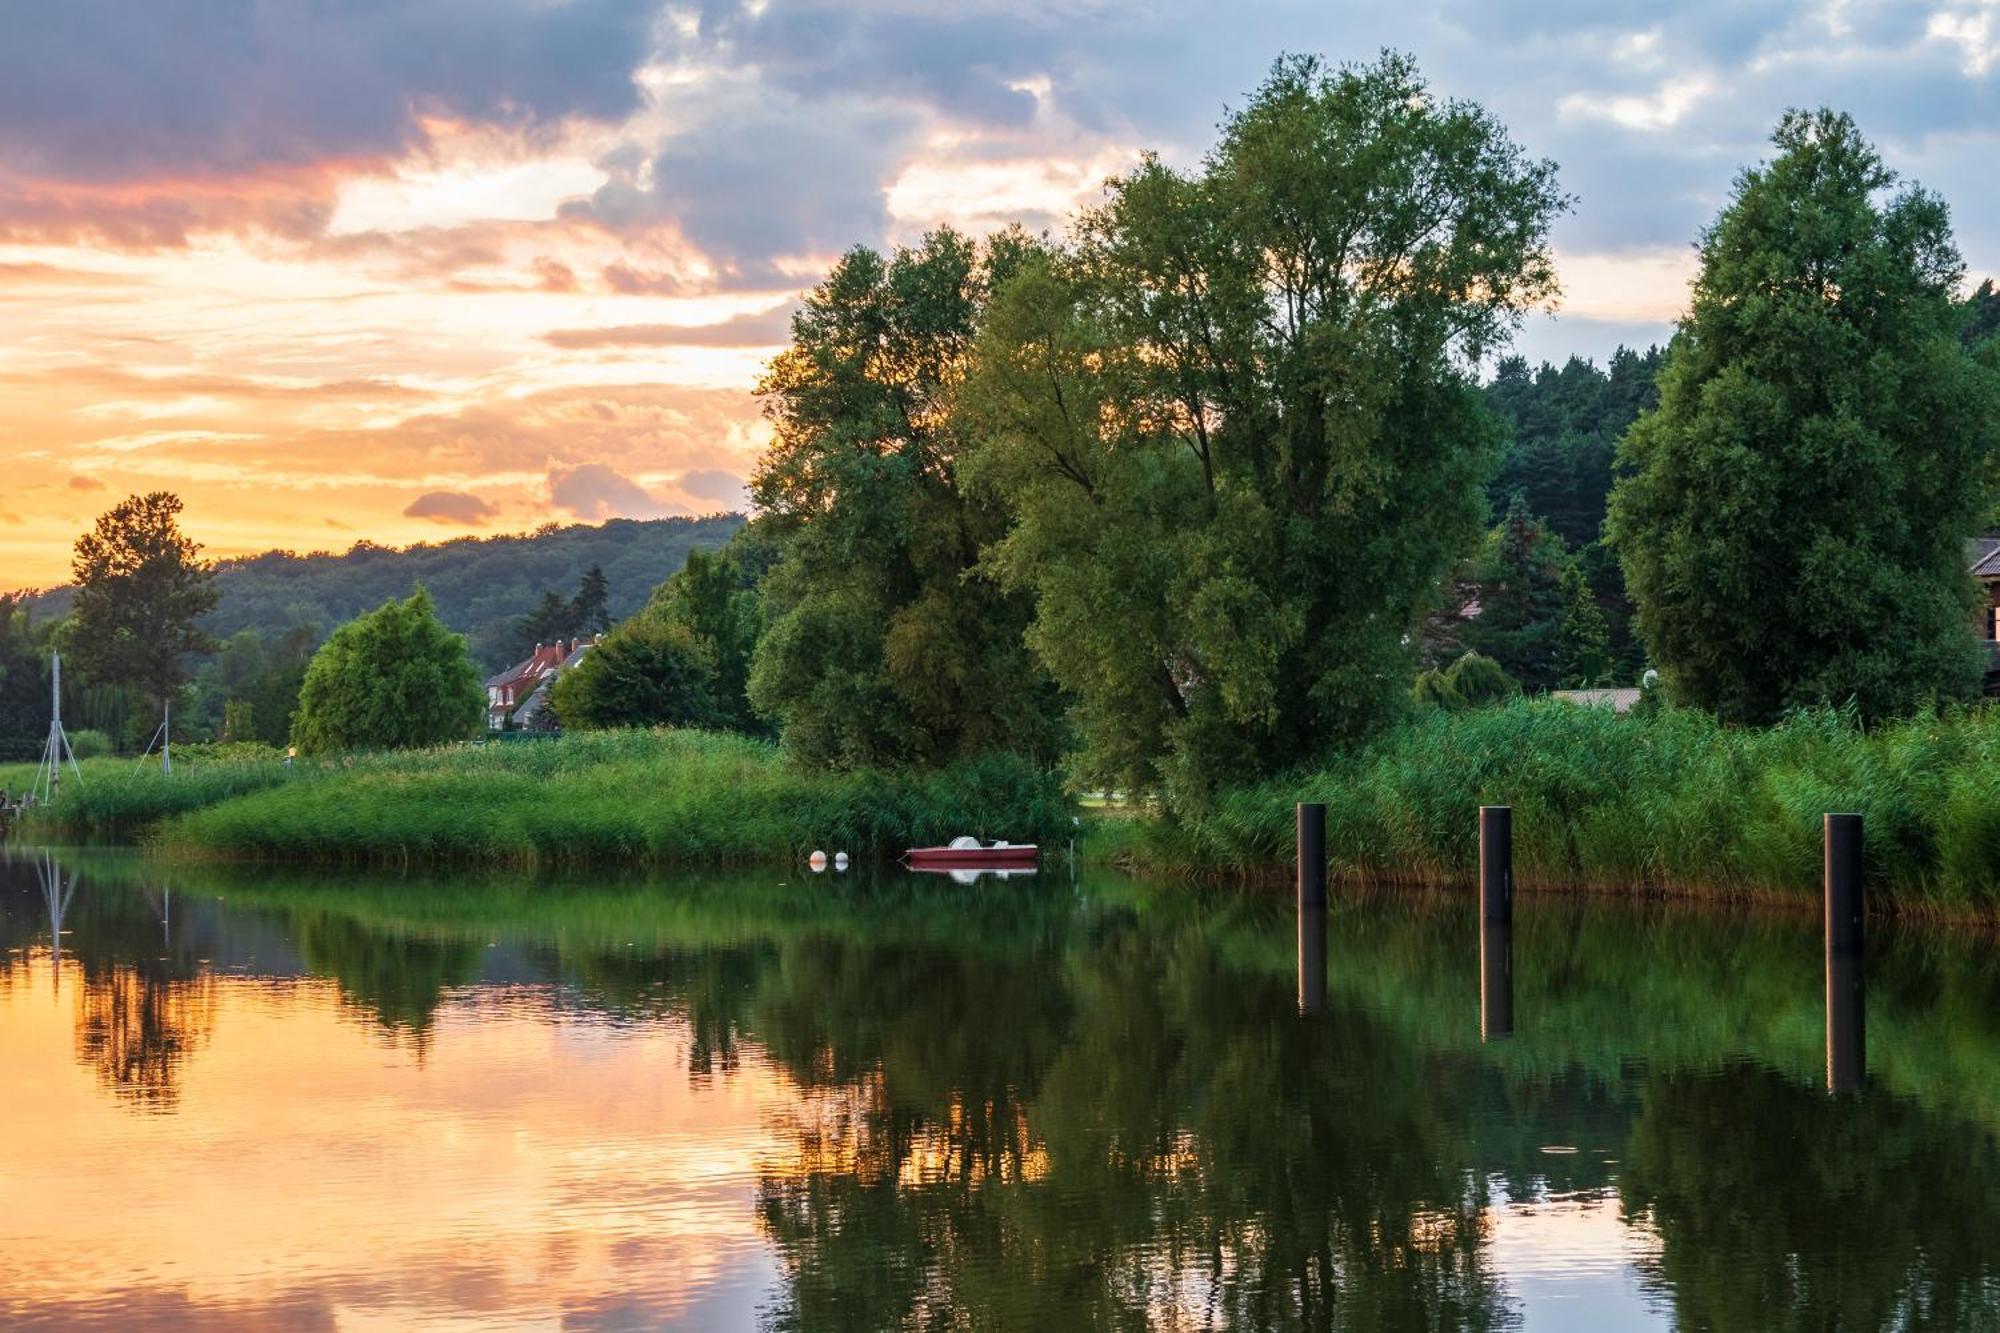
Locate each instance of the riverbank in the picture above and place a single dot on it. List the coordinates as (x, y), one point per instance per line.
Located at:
(1670, 803)
(637, 797)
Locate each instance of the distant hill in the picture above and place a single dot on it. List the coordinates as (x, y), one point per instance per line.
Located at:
(482, 585)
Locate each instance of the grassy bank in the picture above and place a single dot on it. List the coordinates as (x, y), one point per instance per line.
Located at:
(614, 797)
(1673, 802)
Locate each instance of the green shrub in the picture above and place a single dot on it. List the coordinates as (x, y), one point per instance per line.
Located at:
(89, 744)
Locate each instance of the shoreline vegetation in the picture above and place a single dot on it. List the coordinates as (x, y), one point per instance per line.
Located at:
(1671, 802)
(634, 797)
(1667, 803)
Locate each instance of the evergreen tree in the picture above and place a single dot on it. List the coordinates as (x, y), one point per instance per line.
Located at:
(555, 617)
(1583, 646)
(1792, 529)
(1519, 582)
(590, 610)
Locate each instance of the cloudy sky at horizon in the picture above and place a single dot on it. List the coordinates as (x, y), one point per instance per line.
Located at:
(403, 271)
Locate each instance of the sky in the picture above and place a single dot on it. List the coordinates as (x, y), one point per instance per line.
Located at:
(336, 270)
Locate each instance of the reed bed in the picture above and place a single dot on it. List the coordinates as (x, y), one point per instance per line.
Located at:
(608, 797)
(1672, 802)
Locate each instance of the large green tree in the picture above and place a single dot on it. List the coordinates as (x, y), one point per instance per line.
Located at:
(649, 672)
(1235, 426)
(141, 589)
(394, 678)
(1792, 529)
(878, 647)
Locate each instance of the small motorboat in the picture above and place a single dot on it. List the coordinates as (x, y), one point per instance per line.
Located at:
(972, 854)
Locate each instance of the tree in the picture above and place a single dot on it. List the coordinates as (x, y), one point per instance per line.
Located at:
(1583, 645)
(553, 618)
(1519, 580)
(1235, 425)
(1792, 529)
(590, 611)
(141, 588)
(1982, 314)
(393, 679)
(1469, 682)
(878, 648)
(716, 598)
(649, 672)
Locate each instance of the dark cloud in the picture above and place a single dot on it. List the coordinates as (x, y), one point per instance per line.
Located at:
(454, 507)
(715, 484)
(85, 484)
(596, 491)
(768, 329)
(144, 122)
(622, 278)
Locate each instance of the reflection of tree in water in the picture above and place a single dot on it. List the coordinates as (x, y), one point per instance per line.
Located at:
(137, 1023)
(1781, 1208)
(399, 978)
(1153, 1140)
(709, 989)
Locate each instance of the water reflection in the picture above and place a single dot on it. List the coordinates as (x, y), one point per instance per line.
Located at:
(852, 1104)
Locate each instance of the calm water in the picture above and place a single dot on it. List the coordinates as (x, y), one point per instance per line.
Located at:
(829, 1104)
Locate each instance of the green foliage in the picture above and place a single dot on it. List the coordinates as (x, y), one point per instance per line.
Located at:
(1982, 314)
(1564, 428)
(649, 672)
(1470, 682)
(716, 597)
(620, 796)
(1518, 578)
(393, 679)
(24, 679)
(481, 584)
(1792, 529)
(1583, 643)
(1233, 426)
(89, 744)
(879, 648)
(1671, 800)
(120, 798)
(141, 588)
(592, 604)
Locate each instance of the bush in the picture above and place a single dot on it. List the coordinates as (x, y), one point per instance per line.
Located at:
(89, 744)
(395, 678)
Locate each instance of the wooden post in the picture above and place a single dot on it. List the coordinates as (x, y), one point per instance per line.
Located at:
(1844, 911)
(1312, 855)
(1496, 921)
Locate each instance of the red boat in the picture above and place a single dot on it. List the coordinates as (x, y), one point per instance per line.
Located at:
(971, 854)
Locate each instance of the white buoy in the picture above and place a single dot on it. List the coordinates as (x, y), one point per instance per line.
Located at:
(840, 860)
(817, 861)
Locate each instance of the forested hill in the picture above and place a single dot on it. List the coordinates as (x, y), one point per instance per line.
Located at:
(482, 585)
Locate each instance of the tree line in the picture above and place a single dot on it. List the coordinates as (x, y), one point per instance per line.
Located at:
(1210, 486)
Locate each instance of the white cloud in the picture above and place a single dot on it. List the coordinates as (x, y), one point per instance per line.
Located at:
(1662, 109)
(1971, 28)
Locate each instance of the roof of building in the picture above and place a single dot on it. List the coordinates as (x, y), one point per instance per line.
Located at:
(1983, 555)
(546, 658)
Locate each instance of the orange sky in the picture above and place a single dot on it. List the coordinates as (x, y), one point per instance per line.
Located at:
(414, 271)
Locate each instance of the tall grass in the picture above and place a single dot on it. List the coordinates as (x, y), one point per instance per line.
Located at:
(120, 797)
(1671, 802)
(608, 797)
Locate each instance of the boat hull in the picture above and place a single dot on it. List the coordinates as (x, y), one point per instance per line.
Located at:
(972, 858)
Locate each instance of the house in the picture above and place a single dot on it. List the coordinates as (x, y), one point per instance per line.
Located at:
(534, 714)
(1983, 557)
(510, 689)
(518, 696)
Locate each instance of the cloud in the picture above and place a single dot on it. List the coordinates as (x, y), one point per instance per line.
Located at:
(145, 123)
(85, 484)
(769, 328)
(553, 275)
(453, 507)
(715, 484)
(10, 518)
(595, 491)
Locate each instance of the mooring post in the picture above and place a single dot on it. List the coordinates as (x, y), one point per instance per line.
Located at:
(1312, 854)
(1312, 906)
(1496, 921)
(1844, 908)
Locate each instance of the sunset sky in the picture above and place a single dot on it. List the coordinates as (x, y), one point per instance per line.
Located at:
(404, 271)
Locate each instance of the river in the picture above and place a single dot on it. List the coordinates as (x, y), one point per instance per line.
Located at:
(787, 1101)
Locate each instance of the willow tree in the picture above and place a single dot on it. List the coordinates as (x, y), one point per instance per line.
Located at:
(1235, 426)
(1792, 529)
(877, 647)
